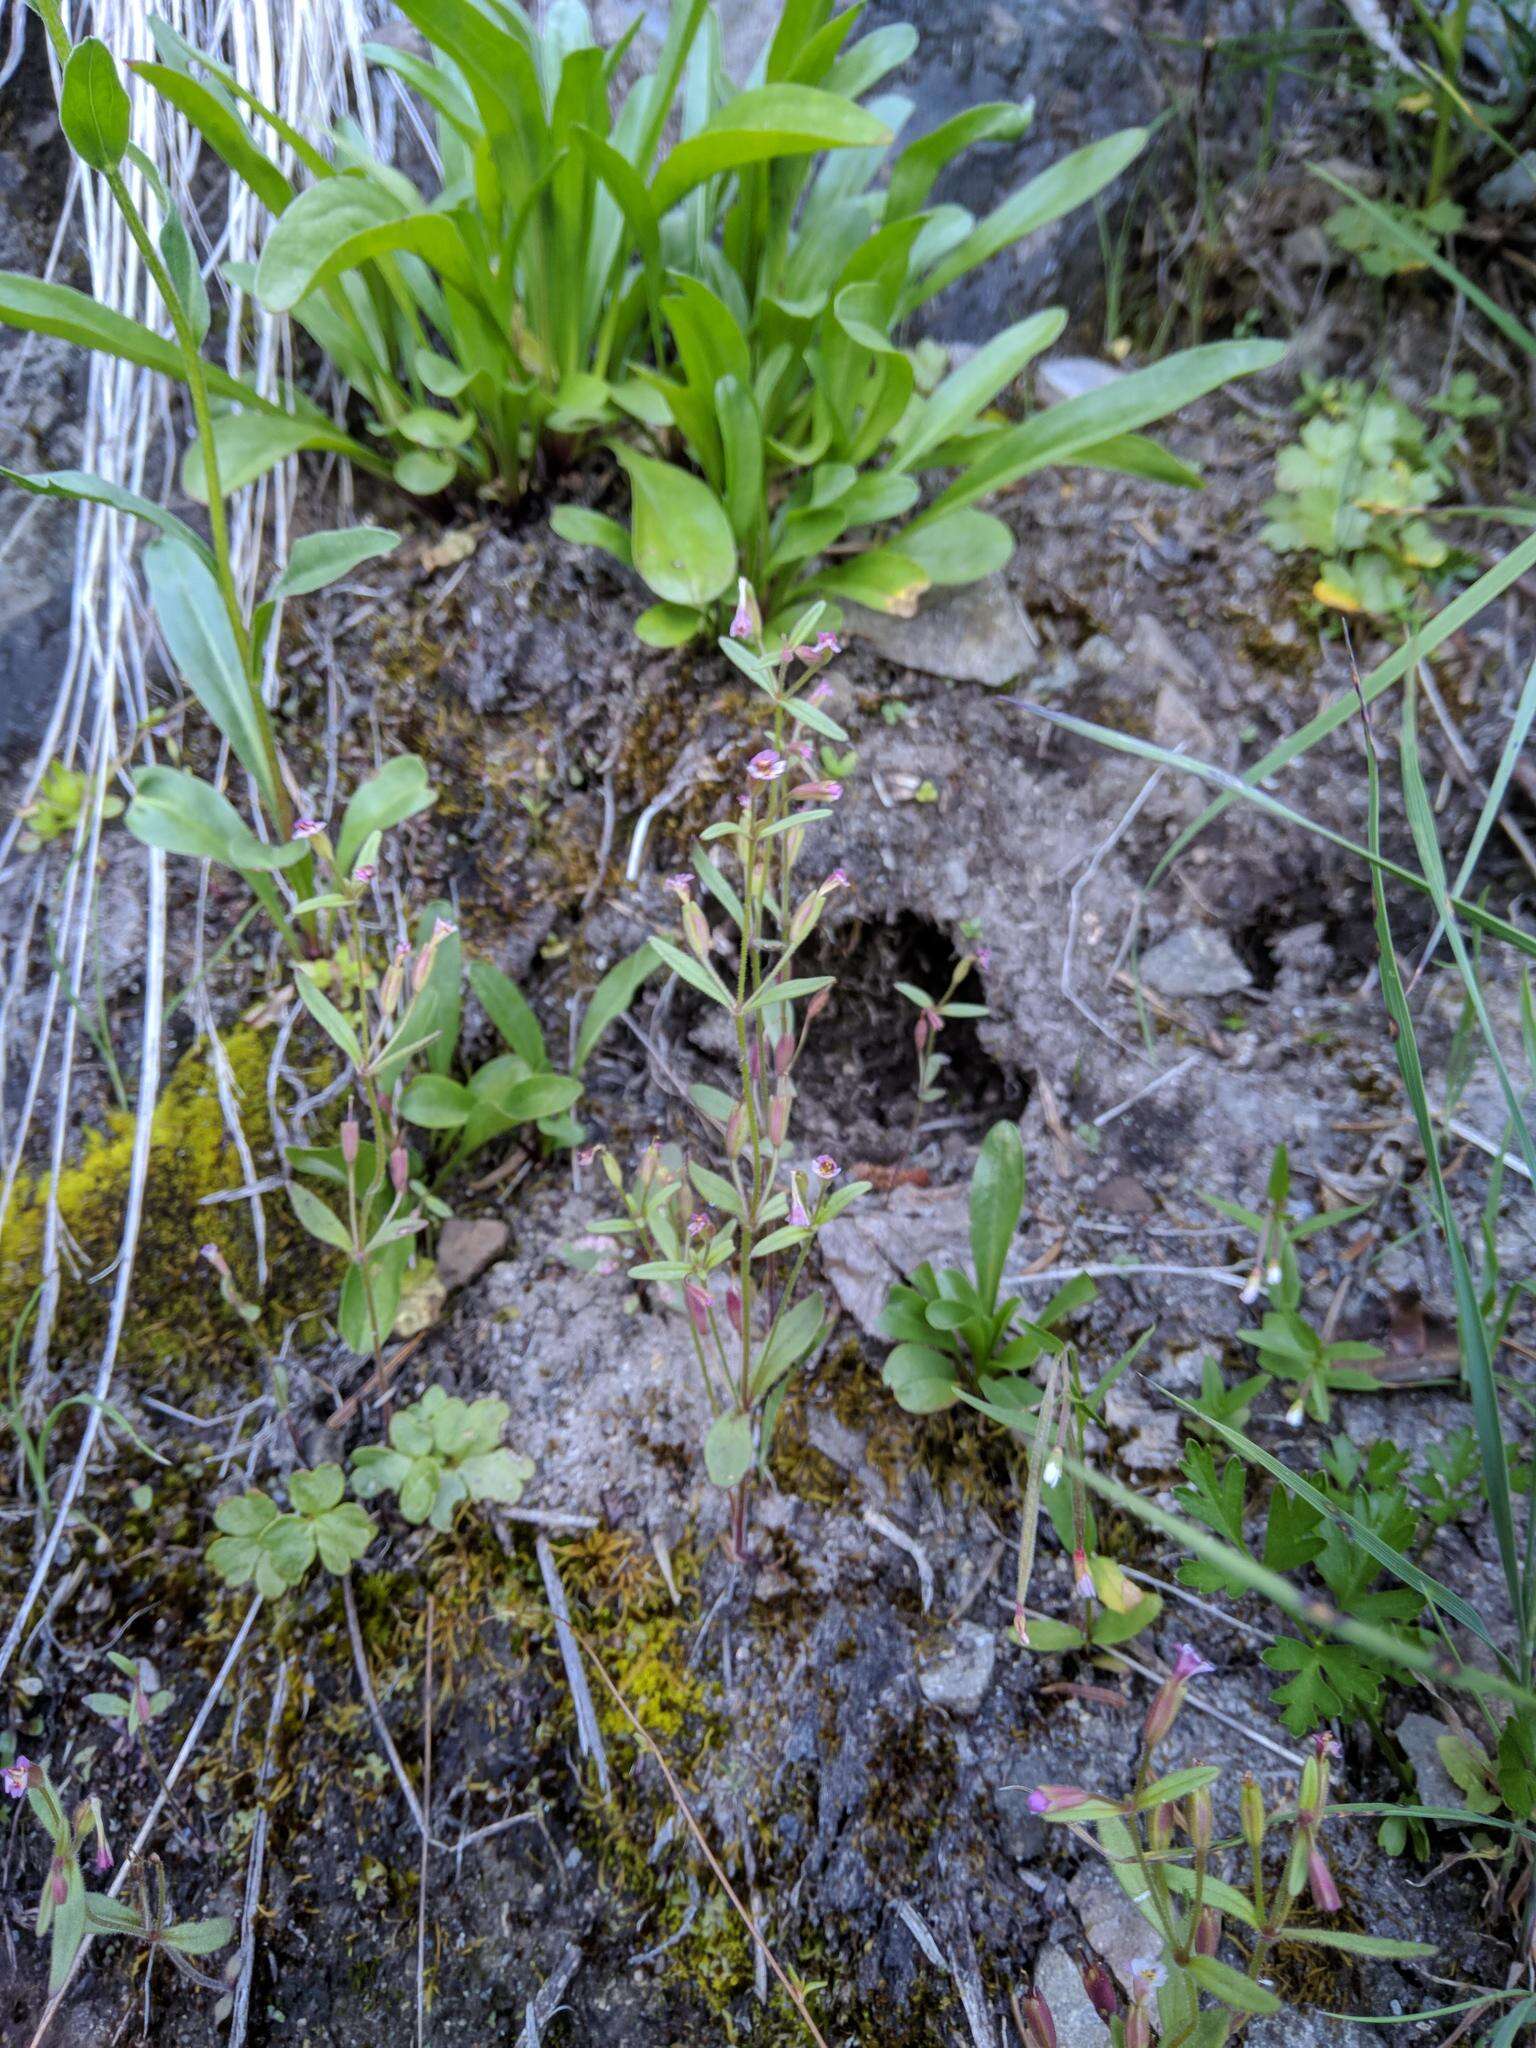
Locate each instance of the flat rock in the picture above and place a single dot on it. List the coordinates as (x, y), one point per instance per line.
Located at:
(1060, 1984)
(1196, 960)
(1061, 377)
(466, 1245)
(958, 1673)
(1418, 1734)
(1114, 1927)
(978, 634)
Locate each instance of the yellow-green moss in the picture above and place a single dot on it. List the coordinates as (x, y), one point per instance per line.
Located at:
(176, 1311)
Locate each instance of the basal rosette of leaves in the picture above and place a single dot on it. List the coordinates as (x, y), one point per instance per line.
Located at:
(260, 1544)
(442, 1452)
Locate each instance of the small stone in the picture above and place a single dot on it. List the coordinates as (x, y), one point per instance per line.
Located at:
(1196, 960)
(1059, 1982)
(1061, 377)
(1512, 188)
(1021, 1832)
(1101, 656)
(958, 1673)
(1114, 1927)
(466, 1245)
(978, 634)
(1419, 1734)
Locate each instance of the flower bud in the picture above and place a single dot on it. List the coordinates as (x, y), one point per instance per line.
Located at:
(1160, 1827)
(1021, 1630)
(838, 879)
(441, 930)
(783, 1053)
(399, 1169)
(697, 1296)
(1201, 1819)
(1325, 1893)
(1208, 1932)
(392, 987)
(733, 1306)
(58, 1880)
(351, 1138)
(1100, 1987)
(1250, 1807)
(696, 931)
(1039, 2026)
(1082, 1577)
(1166, 1707)
(1054, 1799)
(735, 1130)
(817, 1004)
(748, 622)
(1138, 2028)
(778, 1117)
(799, 1216)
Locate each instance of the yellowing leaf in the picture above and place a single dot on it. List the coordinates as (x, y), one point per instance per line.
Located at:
(1331, 594)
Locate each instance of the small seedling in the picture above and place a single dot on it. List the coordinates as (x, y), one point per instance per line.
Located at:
(443, 1451)
(259, 1542)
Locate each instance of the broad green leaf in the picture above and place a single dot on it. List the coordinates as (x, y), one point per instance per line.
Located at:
(961, 547)
(319, 559)
(93, 107)
(587, 529)
(80, 487)
(681, 538)
(317, 1217)
(314, 1492)
(341, 223)
(435, 1102)
(913, 172)
(795, 1333)
(884, 580)
(669, 625)
(424, 472)
(611, 998)
(399, 791)
(965, 392)
(216, 120)
(180, 813)
(764, 122)
(199, 1937)
(922, 1380)
(728, 1449)
(246, 445)
(997, 1201)
(1231, 1986)
(336, 1027)
(507, 1007)
(201, 642)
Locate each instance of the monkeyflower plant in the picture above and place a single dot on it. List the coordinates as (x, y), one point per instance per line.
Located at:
(1161, 1843)
(732, 1238)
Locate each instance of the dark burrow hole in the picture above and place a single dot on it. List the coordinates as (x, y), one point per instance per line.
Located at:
(858, 1075)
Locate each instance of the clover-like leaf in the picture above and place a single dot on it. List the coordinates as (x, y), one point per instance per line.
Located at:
(316, 1492)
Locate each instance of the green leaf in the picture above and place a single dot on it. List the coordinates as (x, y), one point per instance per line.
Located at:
(180, 813)
(439, 1006)
(80, 487)
(796, 1332)
(682, 964)
(587, 529)
(961, 547)
(682, 541)
(315, 1492)
(1231, 1986)
(669, 625)
(424, 473)
(399, 791)
(922, 1380)
(341, 223)
(325, 1013)
(434, 1102)
(883, 579)
(997, 1201)
(195, 626)
(507, 1007)
(1177, 1785)
(317, 1217)
(246, 445)
(728, 1449)
(318, 559)
(966, 391)
(764, 122)
(611, 998)
(93, 107)
(1381, 1947)
(1049, 1638)
(199, 1937)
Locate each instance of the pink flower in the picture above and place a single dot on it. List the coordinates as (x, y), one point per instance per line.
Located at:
(1190, 1664)
(819, 693)
(838, 879)
(696, 1295)
(766, 765)
(747, 622)
(798, 1217)
(307, 828)
(364, 875)
(983, 957)
(1147, 1976)
(699, 1224)
(18, 1775)
(818, 792)
(58, 1880)
(826, 1166)
(103, 1857)
(1057, 1798)
(680, 885)
(1325, 1893)
(824, 647)
(1208, 1932)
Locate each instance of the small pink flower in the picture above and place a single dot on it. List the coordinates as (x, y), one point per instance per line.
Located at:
(699, 1224)
(696, 1295)
(818, 792)
(17, 1776)
(983, 957)
(766, 765)
(1327, 1745)
(823, 648)
(1057, 1798)
(307, 828)
(1147, 1976)
(838, 879)
(1082, 1577)
(1325, 1893)
(1021, 1630)
(103, 1857)
(798, 1216)
(364, 874)
(826, 1166)
(441, 930)
(216, 1259)
(680, 885)
(1190, 1664)
(746, 622)
(819, 693)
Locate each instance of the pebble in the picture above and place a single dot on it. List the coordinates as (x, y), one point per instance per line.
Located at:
(958, 1674)
(1196, 960)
